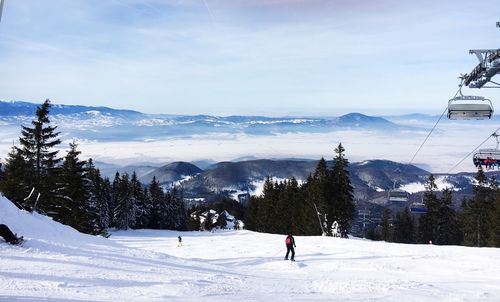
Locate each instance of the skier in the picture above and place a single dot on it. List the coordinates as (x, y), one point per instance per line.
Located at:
(8, 236)
(180, 241)
(290, 244)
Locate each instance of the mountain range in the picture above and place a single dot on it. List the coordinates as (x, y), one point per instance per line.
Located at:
(107, 124)
(371, 179)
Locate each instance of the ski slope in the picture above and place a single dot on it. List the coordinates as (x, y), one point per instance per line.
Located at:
(59, 264)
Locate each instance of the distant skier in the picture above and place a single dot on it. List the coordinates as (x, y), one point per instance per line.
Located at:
(290, 244)
(8, 236)
(180, 241)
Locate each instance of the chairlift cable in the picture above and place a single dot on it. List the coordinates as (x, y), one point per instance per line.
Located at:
(474, 150)
(433, 128)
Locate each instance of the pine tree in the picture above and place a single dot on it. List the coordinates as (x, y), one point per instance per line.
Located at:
(386, 226)
(37, 143)
(177, 211)
(404, 229)
(105, 206)
(428, 222)
(476, 216)
(157, 197)
(341, 206)
(251, 215)
(124, 206)
(91, 206)
(222, 220)
(495, 222)
(74, 190)
(115, 189)
(15, 184)
(141, 209)
(448, 231)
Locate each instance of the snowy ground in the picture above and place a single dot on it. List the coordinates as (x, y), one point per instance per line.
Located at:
(59, 264)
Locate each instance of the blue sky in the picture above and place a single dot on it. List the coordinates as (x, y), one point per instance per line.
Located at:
(271, 57)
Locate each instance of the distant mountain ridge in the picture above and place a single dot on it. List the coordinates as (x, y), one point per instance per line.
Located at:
(371, 179)
(20, 108)
(103, 123)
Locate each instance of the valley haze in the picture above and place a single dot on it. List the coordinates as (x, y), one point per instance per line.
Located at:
(127, 137)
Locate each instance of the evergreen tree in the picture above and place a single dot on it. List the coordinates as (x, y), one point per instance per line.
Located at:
(15, 184)
(495, 222)
(222, 220)
(251, 215)
(144, 210)
(476, 216)
(73, 190)
(138, 202)
(340, 205)
(37, 143)
(91, 207)
(448, 231)
(428, 222)
(124, 204)
(105, 206)
(404, 229)
(157, 197)
(386, 226)
(115, 189)
(177, 211)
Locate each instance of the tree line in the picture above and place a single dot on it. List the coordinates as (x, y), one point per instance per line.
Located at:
(326, 199)
(73, 192)
(475, 223)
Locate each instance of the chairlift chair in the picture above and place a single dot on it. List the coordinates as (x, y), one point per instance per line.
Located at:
(466, 107)
(489, 158)
(418, 208)
(398, 195)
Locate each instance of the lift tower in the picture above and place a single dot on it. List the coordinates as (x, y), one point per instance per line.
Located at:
(488, 67)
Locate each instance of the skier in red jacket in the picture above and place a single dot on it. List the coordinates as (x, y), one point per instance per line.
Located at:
(290, 244)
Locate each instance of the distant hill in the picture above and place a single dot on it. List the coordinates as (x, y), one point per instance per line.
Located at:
(108, 124)
(171, 173)
(18, 108)
(371, 179)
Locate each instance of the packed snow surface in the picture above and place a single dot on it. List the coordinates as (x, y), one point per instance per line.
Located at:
(56, 263)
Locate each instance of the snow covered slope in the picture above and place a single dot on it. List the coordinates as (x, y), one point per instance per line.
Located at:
(59, 264)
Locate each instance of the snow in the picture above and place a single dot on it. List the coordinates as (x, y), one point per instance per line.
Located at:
(441, 182)
(59, 264)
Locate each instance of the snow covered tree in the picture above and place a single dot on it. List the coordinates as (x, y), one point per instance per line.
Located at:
(124, 204)
(144, 207)
(105, 206)
(92, 205)
(222, 220)
(142, 210)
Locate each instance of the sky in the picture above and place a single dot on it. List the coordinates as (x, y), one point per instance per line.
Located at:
(224, 57)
